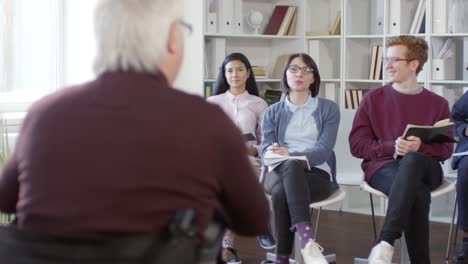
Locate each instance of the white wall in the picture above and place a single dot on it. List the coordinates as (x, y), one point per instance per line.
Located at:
(191, 75)
(80, 45)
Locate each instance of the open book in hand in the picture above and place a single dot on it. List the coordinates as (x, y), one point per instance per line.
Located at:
(273, 159)
(438, 133)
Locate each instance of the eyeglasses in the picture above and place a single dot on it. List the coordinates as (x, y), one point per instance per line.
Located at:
(296, 69)
(393, 60)
(187, 26)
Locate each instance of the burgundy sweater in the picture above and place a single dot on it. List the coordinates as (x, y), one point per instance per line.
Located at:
(382, 117)
(121, 154)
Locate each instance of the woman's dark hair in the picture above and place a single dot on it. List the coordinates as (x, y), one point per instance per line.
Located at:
(315, 86)
(221, 85)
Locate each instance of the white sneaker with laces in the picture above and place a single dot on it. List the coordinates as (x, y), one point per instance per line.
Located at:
(381, 253)
(312, 253)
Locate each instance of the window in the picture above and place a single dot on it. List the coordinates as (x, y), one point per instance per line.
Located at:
(31, 47)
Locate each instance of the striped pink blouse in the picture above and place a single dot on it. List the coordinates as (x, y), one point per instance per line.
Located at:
(245, 110)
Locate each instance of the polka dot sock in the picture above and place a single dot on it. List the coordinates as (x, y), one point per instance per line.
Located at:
(282, 259)
(304, 230)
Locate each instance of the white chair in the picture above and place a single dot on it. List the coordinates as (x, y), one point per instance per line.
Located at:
(337, 196)
(446, 187)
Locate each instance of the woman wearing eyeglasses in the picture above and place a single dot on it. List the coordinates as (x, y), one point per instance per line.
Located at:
(301, 125)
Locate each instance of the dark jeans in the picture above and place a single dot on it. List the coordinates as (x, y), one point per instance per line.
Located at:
(293, 188)
(462, 194)
(408, 184)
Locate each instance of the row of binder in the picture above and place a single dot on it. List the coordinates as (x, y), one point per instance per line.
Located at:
(225, 16)
(405, 17)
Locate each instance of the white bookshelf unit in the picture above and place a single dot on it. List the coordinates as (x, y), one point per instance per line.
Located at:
(344, 60)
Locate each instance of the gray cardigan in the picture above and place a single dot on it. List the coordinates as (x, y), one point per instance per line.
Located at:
(327, 118)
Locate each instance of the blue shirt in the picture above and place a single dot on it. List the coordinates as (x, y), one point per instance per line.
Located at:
(301, 132)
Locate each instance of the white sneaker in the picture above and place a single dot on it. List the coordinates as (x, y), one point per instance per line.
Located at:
(312, 253)
(381, 253)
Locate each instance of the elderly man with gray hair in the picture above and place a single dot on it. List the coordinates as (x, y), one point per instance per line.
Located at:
(121, 153)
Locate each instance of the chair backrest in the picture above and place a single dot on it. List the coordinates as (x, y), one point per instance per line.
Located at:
(446, 187)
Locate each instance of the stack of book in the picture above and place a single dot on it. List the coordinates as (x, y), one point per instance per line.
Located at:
(259, 72)
(353, 98)
(375, 71)
(282, 21)
(272, 96)
(277, 71)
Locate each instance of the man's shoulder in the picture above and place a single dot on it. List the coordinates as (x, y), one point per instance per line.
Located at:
(436, 97)
(194, 103)
(379, 90)
(57, 99)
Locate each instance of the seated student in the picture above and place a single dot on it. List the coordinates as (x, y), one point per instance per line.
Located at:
(376, 136)
(460, 117)
(121, 153)
(236, 93)
(301, 125)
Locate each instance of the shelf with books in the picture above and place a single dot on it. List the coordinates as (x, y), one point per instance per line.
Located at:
(260, 52)
(246, 26)
(365, 60)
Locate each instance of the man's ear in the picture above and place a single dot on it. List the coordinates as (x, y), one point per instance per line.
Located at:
(172, 38)
(415, 64)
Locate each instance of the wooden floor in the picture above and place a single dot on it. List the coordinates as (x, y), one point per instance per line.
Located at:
(349, 235)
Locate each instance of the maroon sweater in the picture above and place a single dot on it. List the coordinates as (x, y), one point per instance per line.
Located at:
(121, 153)
(382, 117)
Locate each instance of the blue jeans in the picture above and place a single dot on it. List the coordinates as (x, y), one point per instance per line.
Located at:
(408, 183)
(462, 194)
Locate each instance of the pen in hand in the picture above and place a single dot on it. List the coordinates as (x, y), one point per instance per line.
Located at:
(275, 148)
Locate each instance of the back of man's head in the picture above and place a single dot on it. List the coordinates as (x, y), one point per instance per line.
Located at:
(132, 35)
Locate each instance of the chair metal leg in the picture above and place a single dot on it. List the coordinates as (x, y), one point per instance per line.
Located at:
(317, 223)
(449, 242)
(373, 216)
(404, 257)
